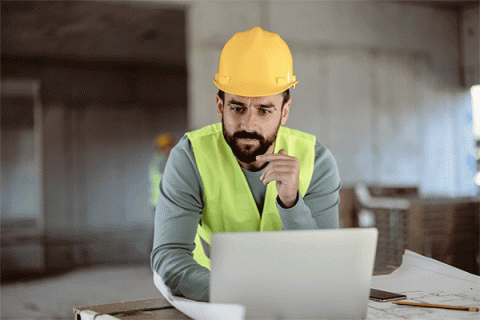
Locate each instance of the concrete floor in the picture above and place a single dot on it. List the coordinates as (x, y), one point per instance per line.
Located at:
(55, 297)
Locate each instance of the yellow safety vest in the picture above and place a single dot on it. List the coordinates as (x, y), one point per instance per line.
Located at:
(155, 177)
(229, 205)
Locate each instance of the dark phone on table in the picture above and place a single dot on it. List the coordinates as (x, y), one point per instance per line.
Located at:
(385, 296)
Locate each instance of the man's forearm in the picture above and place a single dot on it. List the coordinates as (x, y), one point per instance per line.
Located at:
(180, 273)
(297, 217)
(176, 220)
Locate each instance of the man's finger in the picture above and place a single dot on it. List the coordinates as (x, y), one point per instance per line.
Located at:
(285, 168)
(282, 154)
(276, 176)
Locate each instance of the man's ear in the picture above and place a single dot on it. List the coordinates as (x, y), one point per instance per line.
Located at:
(286, 111)
(219, 103)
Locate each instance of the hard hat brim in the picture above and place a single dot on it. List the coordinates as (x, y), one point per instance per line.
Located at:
(252, 90)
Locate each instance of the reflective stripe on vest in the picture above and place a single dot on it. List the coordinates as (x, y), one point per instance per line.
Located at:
(229, 205)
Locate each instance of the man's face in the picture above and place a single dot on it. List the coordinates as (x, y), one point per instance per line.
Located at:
(250, 125)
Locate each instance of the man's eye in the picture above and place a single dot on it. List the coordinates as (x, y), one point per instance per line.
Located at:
(237, 109)
(264, 111)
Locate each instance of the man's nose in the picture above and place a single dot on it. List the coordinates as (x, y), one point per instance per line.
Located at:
(249, 121)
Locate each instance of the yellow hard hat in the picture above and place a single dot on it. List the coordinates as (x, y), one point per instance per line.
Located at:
(163, 140)
(255, 63)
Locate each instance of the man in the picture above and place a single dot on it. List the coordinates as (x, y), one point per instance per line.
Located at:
(163, 145)
(247, 173)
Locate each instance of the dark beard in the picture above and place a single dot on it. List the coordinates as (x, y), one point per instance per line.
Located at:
(248, 154)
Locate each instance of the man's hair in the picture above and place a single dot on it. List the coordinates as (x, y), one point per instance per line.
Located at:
(286, 96)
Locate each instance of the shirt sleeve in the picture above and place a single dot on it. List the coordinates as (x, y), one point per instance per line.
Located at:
(318, 209)
(177, 216)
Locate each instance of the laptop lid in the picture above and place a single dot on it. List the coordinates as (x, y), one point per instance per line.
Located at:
(294, 274)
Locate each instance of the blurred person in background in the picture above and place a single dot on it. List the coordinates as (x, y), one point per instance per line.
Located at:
(246, 173)
(163, 144)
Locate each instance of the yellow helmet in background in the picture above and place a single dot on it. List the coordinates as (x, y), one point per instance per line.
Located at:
(255, 63)
(163, 140)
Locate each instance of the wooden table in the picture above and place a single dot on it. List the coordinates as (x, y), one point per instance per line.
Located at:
(158, 308)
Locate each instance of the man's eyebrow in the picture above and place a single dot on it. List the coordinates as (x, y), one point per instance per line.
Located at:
(268, 105)
(239, 103)
(235, 102)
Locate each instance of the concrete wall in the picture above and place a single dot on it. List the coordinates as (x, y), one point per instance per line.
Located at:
(380, 84)
(101, 113)
(19, 174)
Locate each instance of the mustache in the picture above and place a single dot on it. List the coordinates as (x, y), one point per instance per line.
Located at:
(247, 135)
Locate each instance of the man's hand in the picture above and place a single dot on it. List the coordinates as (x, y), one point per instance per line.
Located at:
(284, 170)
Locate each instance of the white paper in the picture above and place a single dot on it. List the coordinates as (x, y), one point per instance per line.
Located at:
(200, 310)
(416, 259)
(90, 315)
(425, 280)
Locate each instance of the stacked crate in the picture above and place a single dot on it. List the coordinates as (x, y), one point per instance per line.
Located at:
(392, 228)
(446, 230)
(388, 211)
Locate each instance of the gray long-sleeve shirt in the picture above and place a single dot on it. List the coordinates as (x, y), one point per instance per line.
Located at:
(180, 206)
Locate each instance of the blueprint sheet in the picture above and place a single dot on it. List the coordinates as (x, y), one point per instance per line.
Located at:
(426, 280)
(422, 279)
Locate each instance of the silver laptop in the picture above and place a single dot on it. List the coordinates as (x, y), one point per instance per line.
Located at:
(310, 274)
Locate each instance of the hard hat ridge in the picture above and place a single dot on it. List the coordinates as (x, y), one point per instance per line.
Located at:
(255, 63)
